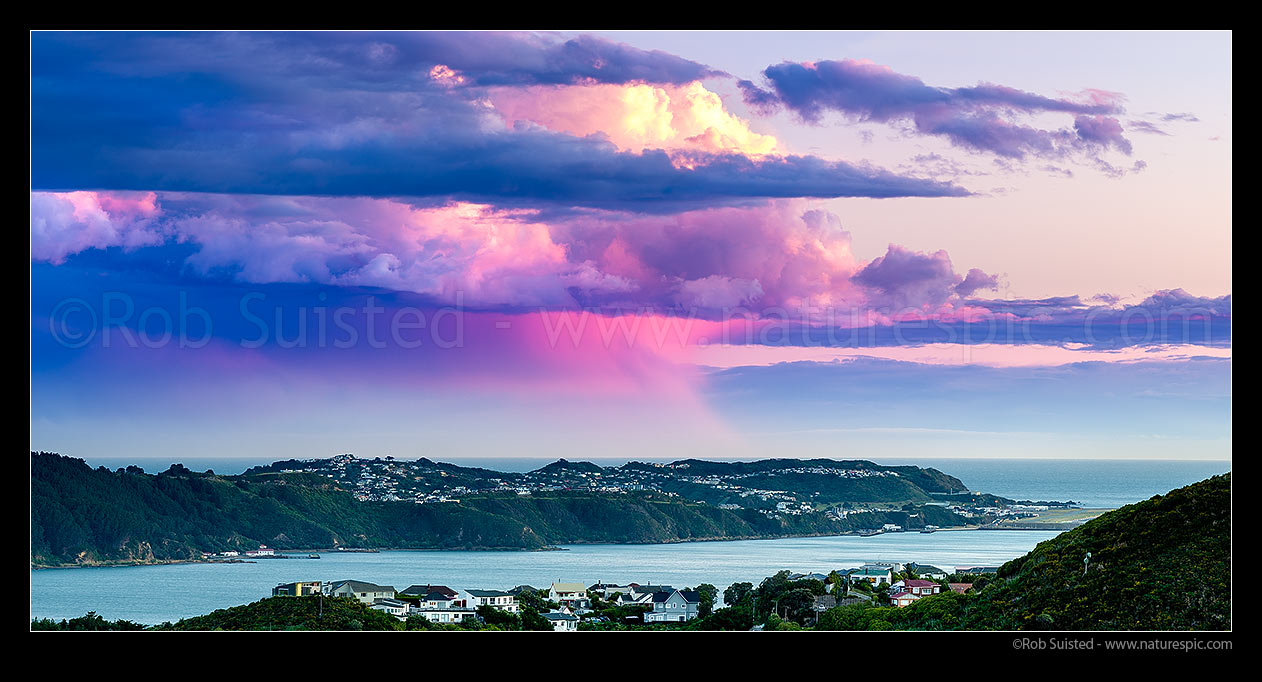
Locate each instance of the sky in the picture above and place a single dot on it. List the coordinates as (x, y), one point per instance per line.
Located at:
(631, 244)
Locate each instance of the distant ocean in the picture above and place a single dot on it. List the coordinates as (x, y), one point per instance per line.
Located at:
(1093, 483)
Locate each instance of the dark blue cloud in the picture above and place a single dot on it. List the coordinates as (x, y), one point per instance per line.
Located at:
(358, 114)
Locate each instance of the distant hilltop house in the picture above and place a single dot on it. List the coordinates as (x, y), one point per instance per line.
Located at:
(358, 589)
(299, 589)
(675, 606)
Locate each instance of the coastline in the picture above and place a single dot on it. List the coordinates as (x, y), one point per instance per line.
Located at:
(551, 548)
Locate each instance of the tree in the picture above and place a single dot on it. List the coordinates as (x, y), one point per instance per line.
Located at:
(709, 594)
(499, 617)
(738, 593)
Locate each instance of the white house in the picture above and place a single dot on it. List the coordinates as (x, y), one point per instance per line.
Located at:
(394, 607)
(500, 600)
(561, 622)
(447, 614)
(573, 595)
(674, 607)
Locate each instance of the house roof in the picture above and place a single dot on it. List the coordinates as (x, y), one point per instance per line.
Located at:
(690, 596)
(361, 586)
(898, 595)
(429, 589)
(557, 615)
(919, 583)
(569, 587)
(488, 593)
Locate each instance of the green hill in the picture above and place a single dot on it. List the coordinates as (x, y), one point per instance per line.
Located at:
(84, 516)
(1161, 564)
(292, 613)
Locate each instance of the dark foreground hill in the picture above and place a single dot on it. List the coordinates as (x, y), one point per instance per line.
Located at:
(1161, 564)
(81, 515)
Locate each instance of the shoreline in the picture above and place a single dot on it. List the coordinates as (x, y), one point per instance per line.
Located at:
(122, 563)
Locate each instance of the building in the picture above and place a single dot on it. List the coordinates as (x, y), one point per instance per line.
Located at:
(960, 588)
(263, 550)
(358, 589)
(923, 588)
(394, 607)
(976, 570)
(302, 589)
(607, 591)
(674, 607)
(873, 575)
(495, 598)
(902, 598)
(573, 595)
(927, 571)
(561, 622)
(445, 614)
(423, 590)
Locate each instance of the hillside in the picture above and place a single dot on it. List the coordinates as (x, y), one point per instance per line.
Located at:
(1160, 564)
(81, 515)
(291, 613)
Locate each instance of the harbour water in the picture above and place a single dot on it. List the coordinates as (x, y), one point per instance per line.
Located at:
(154, 594)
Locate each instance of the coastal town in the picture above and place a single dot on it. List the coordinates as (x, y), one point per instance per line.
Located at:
(566, 606)
(776, 492)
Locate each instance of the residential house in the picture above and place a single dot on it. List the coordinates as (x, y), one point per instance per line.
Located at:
(920, 588)
(442, 614)
(960, 588)
(902, 598)
(676, 606)
(561, 622)
(500, 600)
(423, 590)
(358, 589)
(607, 591)
(300, 589)
(394, 607)
(873, 575)
(573, 595)
(977, 570)
(927, 571)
